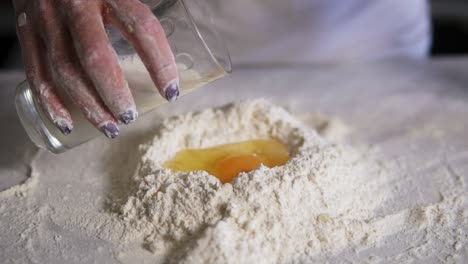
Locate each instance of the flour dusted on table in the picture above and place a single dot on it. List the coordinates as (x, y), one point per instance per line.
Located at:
(318, 203)
(335, 204)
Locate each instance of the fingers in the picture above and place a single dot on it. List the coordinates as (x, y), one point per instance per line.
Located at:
(39, 77)
(138, 24)
(99, 60)
(67, 72)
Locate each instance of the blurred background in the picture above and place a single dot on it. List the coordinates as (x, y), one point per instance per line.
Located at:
(449, 21)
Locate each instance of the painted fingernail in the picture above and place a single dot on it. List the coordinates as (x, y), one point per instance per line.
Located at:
(111, 130)
(64, 128)
(172, 91)
(129, 116)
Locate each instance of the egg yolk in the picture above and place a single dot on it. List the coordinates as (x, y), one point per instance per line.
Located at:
(226, 161)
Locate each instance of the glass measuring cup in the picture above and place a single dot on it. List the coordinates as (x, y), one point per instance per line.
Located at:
(199, 51)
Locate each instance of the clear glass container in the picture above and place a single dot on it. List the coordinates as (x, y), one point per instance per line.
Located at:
(200, 54)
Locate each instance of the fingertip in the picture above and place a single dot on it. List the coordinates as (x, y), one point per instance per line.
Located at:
(110, 129)
(64, 127)
(129, 116)
(172, 91)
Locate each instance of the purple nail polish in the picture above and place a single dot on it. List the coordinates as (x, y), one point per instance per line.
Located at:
(64, 128)
(172, 92)
(111, 130)
(129, 116)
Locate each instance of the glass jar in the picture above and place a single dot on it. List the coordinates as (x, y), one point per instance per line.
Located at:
(200, 54)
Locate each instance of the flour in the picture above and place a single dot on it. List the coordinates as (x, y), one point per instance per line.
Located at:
(21, 189)
(331, 203)
(31, 178)
(318, 203)
(331, 128)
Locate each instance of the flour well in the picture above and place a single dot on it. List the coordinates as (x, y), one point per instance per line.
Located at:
(318, 203)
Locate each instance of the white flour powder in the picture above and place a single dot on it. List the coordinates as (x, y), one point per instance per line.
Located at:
(318, 203)
(329, 204)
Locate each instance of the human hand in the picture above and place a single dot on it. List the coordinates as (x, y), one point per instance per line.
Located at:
(65, 48)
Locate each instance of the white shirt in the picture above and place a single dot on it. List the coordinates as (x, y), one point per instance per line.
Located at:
(321, 31)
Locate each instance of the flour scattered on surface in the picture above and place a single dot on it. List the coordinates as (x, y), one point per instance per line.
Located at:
(331, 128)
(330, 203)
(318, 203)
(23, 188)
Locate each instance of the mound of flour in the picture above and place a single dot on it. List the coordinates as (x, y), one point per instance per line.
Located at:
(317, 204)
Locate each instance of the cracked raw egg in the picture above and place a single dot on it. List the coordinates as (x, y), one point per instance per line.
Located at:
(227, 161)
